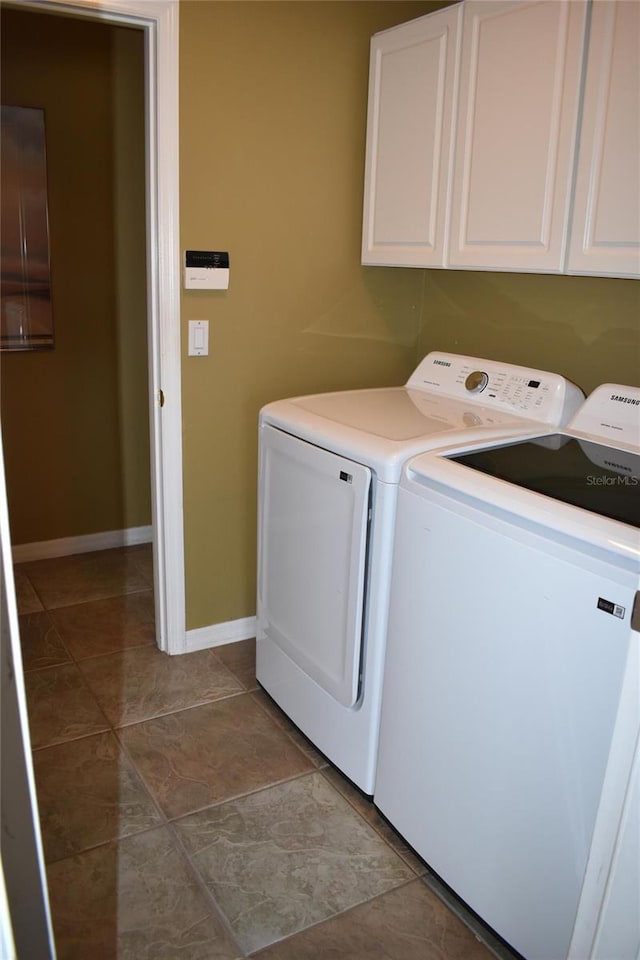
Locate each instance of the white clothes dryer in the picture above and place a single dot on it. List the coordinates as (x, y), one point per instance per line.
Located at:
(329, 467)
(511, 640)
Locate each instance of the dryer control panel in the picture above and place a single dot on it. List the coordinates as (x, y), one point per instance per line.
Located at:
(523, 391)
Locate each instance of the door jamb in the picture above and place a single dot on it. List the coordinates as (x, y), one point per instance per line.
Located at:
(159, 20)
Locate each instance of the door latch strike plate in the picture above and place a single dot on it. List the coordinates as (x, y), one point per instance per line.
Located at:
(161, 397)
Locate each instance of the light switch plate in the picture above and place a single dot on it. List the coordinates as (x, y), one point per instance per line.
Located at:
(198, 338)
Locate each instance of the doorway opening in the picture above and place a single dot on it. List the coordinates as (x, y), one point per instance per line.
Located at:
(158, 21)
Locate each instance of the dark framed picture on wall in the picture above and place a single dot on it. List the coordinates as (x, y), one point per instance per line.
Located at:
(26, 318)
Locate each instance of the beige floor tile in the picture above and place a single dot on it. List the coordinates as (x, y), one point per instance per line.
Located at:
(284, 858)
(134, 900)
(105, 626)
(142, 683)
(282, 720)
(211, 753)
(88, 793)
(63, 581)
(240, 658)
(302, 863)
(61, 706)
(27, 599)
(40, 641)
(409, 923)
(365, 807)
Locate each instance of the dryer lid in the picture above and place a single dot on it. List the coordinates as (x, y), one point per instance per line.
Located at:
(400, 414)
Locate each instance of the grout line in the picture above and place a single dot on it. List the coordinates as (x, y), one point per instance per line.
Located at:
(170, 713)
(217, 910)
(282, 721)
(105, 843)
(244, 795)
(111, 653)
(140, 777)
(295, 737)
(334, 916)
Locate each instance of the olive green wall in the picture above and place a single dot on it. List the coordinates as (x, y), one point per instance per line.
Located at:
(75, 419)
(587, 328)
(272, 129)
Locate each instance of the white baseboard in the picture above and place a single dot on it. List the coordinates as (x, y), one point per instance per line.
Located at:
(218, 633)
(66, 546)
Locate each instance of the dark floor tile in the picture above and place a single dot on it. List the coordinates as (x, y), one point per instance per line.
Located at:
(286, 857)
(63, 581)
(211, 753)
(240, 658)
(408, 923)
(27, 599)
(142, 556)
(134, 900)
(88, 793)
(40, 641)
(458, 908)
(105, 626)
(61, 706)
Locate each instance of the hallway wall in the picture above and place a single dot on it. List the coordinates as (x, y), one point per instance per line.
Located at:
(75, 418)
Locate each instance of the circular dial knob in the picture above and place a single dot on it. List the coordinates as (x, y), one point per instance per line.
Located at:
(476, 381)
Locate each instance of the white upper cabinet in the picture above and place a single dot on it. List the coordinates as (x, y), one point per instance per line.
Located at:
(605, 232)
(516, 134)
(505, 135)
(412, 84)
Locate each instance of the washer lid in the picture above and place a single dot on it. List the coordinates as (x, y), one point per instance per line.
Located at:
(589, 475)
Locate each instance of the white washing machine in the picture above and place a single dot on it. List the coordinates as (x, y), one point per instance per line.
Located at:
(328, 476)
(511, 627)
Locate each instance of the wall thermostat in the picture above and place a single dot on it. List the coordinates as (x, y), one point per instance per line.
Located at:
(206, 270)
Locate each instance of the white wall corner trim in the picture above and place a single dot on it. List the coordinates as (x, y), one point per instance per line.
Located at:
(218, 633)
(87, 543)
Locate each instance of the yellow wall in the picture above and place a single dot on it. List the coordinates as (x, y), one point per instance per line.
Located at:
(272, 129)
(75, 419)
(587, 328)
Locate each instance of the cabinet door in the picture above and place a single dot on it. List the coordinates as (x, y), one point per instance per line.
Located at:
(605, 235)
(412, 84)
(516, 132)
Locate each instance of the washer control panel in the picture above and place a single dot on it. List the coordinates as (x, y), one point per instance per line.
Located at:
(476, 381)
(521, 391)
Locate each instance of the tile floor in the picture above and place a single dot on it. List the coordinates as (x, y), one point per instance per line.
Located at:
(183, 816)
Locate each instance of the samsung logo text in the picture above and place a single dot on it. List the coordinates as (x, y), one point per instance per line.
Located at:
(619, 399)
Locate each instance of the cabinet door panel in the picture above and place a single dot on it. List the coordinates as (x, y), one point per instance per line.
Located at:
(605, 236)
(520, 78)
(409, 128)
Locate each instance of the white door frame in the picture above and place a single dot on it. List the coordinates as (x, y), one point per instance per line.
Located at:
(159, 20)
